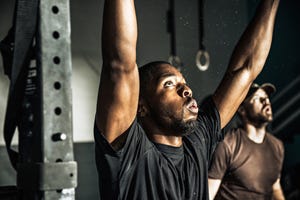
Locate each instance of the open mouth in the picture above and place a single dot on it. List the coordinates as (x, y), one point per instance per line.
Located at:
(192, 106)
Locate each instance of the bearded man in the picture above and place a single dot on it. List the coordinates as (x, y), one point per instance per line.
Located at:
(248, 163)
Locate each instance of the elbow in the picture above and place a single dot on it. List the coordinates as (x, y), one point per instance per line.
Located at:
(256, 61)
(252, 67)
(121, 67)
(256, 68)
(115, 61)
(118, 64)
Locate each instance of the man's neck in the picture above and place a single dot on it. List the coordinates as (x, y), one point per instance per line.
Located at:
(161, 136)
(256, 134)
(175, 141)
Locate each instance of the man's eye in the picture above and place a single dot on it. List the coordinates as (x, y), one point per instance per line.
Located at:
(262, 99)
(168, 84)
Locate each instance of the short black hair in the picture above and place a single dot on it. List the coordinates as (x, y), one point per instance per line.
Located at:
(146, 74)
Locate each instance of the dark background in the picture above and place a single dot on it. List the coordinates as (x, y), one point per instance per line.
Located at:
(224, 22)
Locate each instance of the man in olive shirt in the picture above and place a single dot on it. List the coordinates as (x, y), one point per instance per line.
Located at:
(248, 163)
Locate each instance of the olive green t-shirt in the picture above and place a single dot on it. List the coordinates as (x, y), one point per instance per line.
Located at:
(247, 169)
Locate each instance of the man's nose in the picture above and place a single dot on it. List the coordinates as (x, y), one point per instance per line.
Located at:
(266, 100)
(186, 91)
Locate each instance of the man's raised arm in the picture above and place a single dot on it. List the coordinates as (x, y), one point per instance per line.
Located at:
(119, 84)
(247, 60)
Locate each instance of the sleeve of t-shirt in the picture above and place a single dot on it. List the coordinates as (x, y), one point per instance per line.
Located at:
(209, 125)
(112, 164)
(209, 118)
(136, 143)
(281, 154)
(220, 161)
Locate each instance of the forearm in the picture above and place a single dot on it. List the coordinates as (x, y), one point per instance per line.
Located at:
(278, 195)
(253, 47)
(119, 33)
(277, 191)
(213, 187)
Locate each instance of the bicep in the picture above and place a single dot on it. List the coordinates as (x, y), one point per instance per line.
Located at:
(213, 187)
(117, 102)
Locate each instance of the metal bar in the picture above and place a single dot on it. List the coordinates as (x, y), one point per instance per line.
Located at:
(287, 105)
(40, 176)
(285, 90)
(47, 169)
(286, 122)
(55, 61)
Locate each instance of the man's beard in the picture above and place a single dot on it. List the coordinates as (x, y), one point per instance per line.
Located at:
(260, 120)
(184, 128)
(177, 126)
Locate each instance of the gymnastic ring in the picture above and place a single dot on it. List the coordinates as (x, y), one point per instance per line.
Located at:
(200, 54)
(175, 61)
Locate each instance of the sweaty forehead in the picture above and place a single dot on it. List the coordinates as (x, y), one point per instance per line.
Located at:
(258, 93)
(164, 71)
(261, 93)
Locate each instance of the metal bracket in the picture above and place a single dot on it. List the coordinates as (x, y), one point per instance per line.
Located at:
(47, 176)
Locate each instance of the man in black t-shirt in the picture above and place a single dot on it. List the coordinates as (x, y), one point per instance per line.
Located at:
(152, 140)
(248, 163)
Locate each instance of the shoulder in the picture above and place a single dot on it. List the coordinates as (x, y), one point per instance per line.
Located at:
(232, 139)
(208, 107)
(275, 142)
(232, 136)
(209, 120)
(131, 138)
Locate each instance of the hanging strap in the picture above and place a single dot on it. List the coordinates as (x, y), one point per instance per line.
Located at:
(201, 26)
(173, 58)
(202, 56)
(7, 46)
(6, 50)
(16, 50)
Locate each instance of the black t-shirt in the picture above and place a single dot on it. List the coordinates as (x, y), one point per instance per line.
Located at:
(145, 170)
(248, 170)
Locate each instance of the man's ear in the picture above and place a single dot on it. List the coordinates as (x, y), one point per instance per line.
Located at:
(241, 110)
(142, 108)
